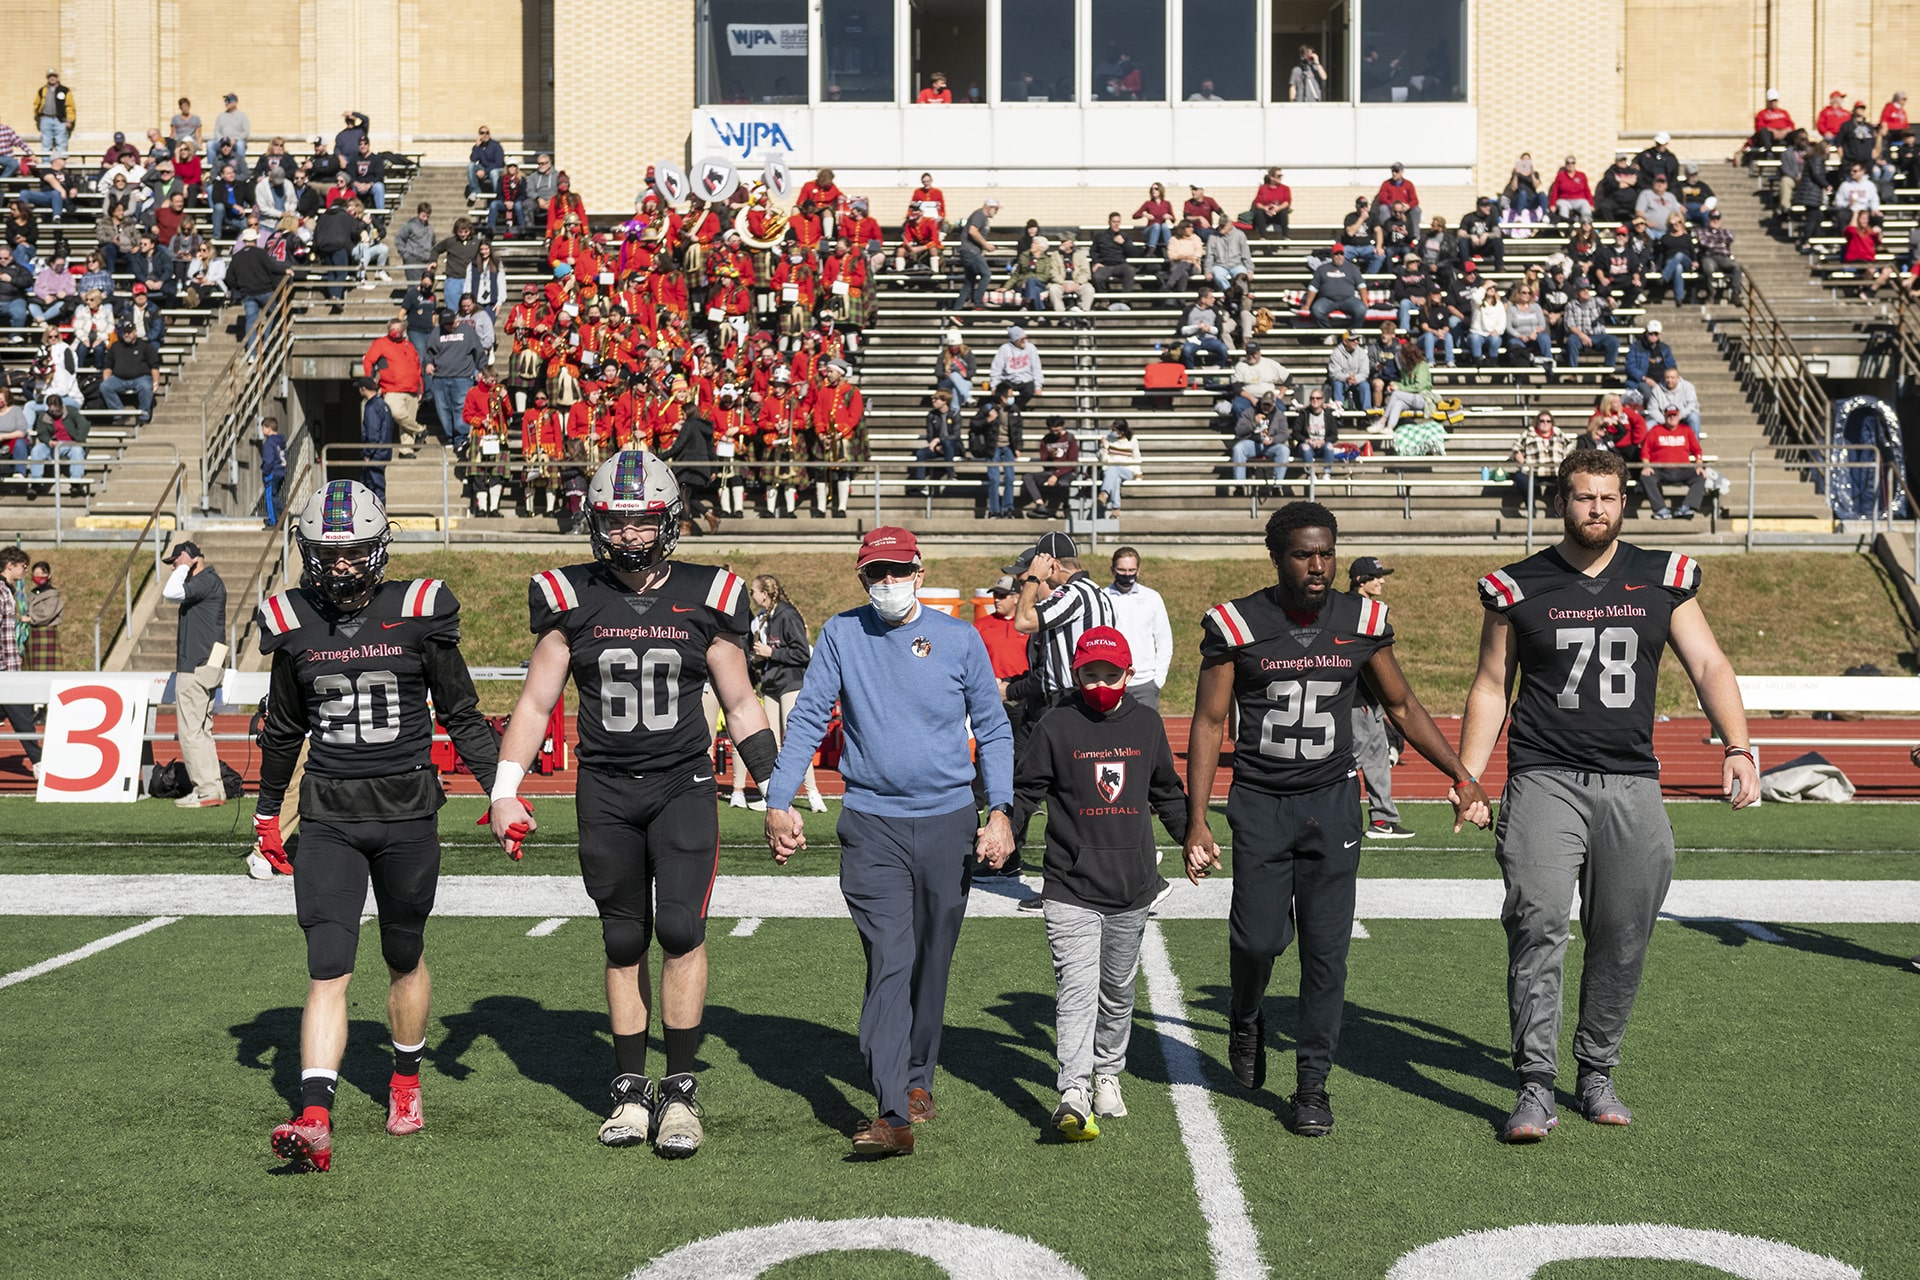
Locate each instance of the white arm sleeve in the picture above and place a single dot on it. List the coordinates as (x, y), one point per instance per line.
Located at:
(176, 586)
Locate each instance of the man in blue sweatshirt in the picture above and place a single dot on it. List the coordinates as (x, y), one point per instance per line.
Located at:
(908, 681)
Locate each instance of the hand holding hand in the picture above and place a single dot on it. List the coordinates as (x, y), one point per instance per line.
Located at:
(1469, 805)
(511, 820)
(786, 835)
(1202, 854)
(993, 843)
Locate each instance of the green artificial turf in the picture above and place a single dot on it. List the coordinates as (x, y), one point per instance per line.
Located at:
(1769, 1082)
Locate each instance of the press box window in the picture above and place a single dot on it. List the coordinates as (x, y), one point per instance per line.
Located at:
(857, 38)
(752, 51)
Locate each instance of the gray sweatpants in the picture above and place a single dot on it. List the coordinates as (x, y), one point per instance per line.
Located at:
(1095, 960)
(905, 881)
(1146, 693)
(1371, 753)
(1608, 835)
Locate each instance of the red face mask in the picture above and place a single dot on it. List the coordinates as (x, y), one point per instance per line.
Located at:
(1102, 697)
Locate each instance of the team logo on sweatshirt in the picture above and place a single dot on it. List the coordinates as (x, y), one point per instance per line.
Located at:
(1109, 777)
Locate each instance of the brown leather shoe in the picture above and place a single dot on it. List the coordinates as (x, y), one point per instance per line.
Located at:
(919, 1106)
(879, 1138)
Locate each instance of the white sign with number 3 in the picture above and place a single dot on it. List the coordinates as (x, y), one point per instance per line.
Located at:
(94, 728)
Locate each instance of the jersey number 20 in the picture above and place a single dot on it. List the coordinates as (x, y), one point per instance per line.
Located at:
(371, 705)
(654, 702)
(1299, 705)
(1618, 646)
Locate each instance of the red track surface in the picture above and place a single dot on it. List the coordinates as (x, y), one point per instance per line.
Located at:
(1691, 765)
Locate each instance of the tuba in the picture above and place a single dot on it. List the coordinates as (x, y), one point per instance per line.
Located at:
(776, 223)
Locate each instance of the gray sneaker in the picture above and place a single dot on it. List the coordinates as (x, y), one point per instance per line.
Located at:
(630, 1123)
(676, 1125)
(1598, 1102)
(1107, 1102)
(1533, 1115)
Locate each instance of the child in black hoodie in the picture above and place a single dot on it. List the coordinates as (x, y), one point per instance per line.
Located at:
(1101, 763)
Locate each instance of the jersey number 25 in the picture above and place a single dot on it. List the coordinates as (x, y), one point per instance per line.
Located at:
(1299, 705)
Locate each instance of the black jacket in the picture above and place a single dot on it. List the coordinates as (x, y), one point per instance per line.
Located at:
(693, 443)
(16, 282)
(1111, 248)
(132, 358)
(787, 633)
(254, 272)
(1101, 778)
(336, 230)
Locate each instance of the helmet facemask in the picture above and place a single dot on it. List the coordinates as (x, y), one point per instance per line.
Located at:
(633, 485)
(343, 522)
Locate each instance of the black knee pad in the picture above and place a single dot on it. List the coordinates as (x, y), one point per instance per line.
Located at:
(401, 943)
(680, 929)
(330, 950)
(626, 940)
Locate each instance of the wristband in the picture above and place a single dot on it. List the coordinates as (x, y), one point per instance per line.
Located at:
(506, 781)
(1464, 781)
(1741, 751)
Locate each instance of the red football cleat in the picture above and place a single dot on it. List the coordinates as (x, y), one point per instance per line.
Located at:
(306, 1143)
(403, 1106)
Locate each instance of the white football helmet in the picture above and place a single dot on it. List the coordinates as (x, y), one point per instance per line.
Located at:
(634, 482)
(343, 518)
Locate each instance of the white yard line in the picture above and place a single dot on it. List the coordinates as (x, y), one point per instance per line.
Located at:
(1360, 930)
(787, 897)
(745, 927)
(546, 926)
(1230, 1235)
(91, 949)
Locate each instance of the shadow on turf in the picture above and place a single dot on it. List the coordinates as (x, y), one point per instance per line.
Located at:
(564, 1049)
(275, 1035)
(1795, 937)
(1388, 1047)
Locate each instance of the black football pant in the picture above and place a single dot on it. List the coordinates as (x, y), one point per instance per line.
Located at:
(1296, 859)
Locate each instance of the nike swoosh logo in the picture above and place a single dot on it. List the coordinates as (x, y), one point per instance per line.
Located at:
(1349, 844)
(1641, 587)
(1349, 640)
(708, 778)
(684, 608)
(388, 626)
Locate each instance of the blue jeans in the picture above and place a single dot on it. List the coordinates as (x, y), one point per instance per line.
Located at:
(72, 453)
(337, 275)
(1444, 340)
(375, 198)
(1223, 276)
(1370, 261)
(250, 308)
(474, 171)
(46, 199)
(1311, 454)
(271, 486)
(9, 166)
(1524, 199)
(1033, 293)
(1247, 448)
(1361, 391)
(1542, 345)
(1481, 346)
(1208, 343)
(962, 390)
(53, 136)
(449, 394)
(456, 286)
(1110, 481)
(948, 449)
(112, 387)
(1605, 343)
(15, 310)
(975, 273)
(221, 214)
(1674, 273)
(1000, 481)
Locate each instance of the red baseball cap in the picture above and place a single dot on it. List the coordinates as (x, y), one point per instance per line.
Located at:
(1101, 644)
(888, 543)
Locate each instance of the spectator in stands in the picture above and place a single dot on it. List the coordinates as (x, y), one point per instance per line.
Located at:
(1260, 432)
(996, 432)
(1336, 289)
(485, 281)
(1110, 250)
(1314, 433)
(93, 326)
(1256, 376)
(974, 251)
(1586, 323)
(1771, 125)
(1862, 248)
(16, 429)
(185, 126)
(251, 278)
(12, 150)
(393, 358)
(16, 287)
(1047, 490)
(1619, 189)
(460, 249)
(941, 439)
(1201, 210)
(1647, 355)
(414, 241)
(131, 365)
(1658, 202)
(1677, 252)
(1307, 81)
(1412, 393)
(1387, 355)
(52, 193)
(486, 160)
(1658, 160)
(275, 161)
(346, 143)
(1674, 392)
(1856, 195)
(1536, 458)
(1522, 193)
(953, 368)
(1859, 140)
(1487, 329)
(274, 196)
(1437, 245)
(368, 173)
(206, 274)
(1017, 365)
(232, 125)
(1529, 333)
(1362, 239)
(228, 200)
(1076, 276)
(1228, 255)
(142, 310)
(54, 294)
(1200, 326)
(116, 236)
(151, 265)
(454, 366)
(20, 232)
(928, 194)
(1480, 235)
(1569, 196)
(1671, 454)
(1620, 268)
(335, 233)
(1349, 373)
(1832, 116)
(1896, 130)
(1120, 461)
(54, 115)
(1696, 196)
(1157, 210)
(1397, 192)
(420, 306)
(1412, 281)
(96, 276)
(1395, 236)
(1806, 167)
(60, 434)
(1553, 295)
(508, 204)
(1436, 320)
(1272, 204)
(1034, 269)
(936, 91)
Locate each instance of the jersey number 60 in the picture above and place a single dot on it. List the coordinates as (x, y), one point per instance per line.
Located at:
(655, 702)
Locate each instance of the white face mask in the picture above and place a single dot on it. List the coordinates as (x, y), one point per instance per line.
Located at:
(893, 601)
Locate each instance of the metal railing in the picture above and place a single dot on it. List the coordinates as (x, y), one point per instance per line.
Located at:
(172, 491)
(1906, 338)
(233, 405)
(1802, 459)
(1797, 409)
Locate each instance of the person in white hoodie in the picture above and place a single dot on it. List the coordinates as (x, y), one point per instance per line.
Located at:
(63, 375)
(1487, 331)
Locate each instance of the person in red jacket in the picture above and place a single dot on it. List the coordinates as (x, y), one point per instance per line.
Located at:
(1200, 209)
(1771, 125)
(1397, 190)
(781, 423)
(1833, 115)
(393, 359)
(928, 194)
(1671, 454)
(1896, 130)
(1272, 206)
(543, 440)
(1570, 196)
(919, 243)
(487, 411)
(838, 409)
(935, 92)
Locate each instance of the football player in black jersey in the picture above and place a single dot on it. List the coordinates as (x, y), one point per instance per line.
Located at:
(1582, 625)
(355, 661)
(641, 636)
(1289, 659)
